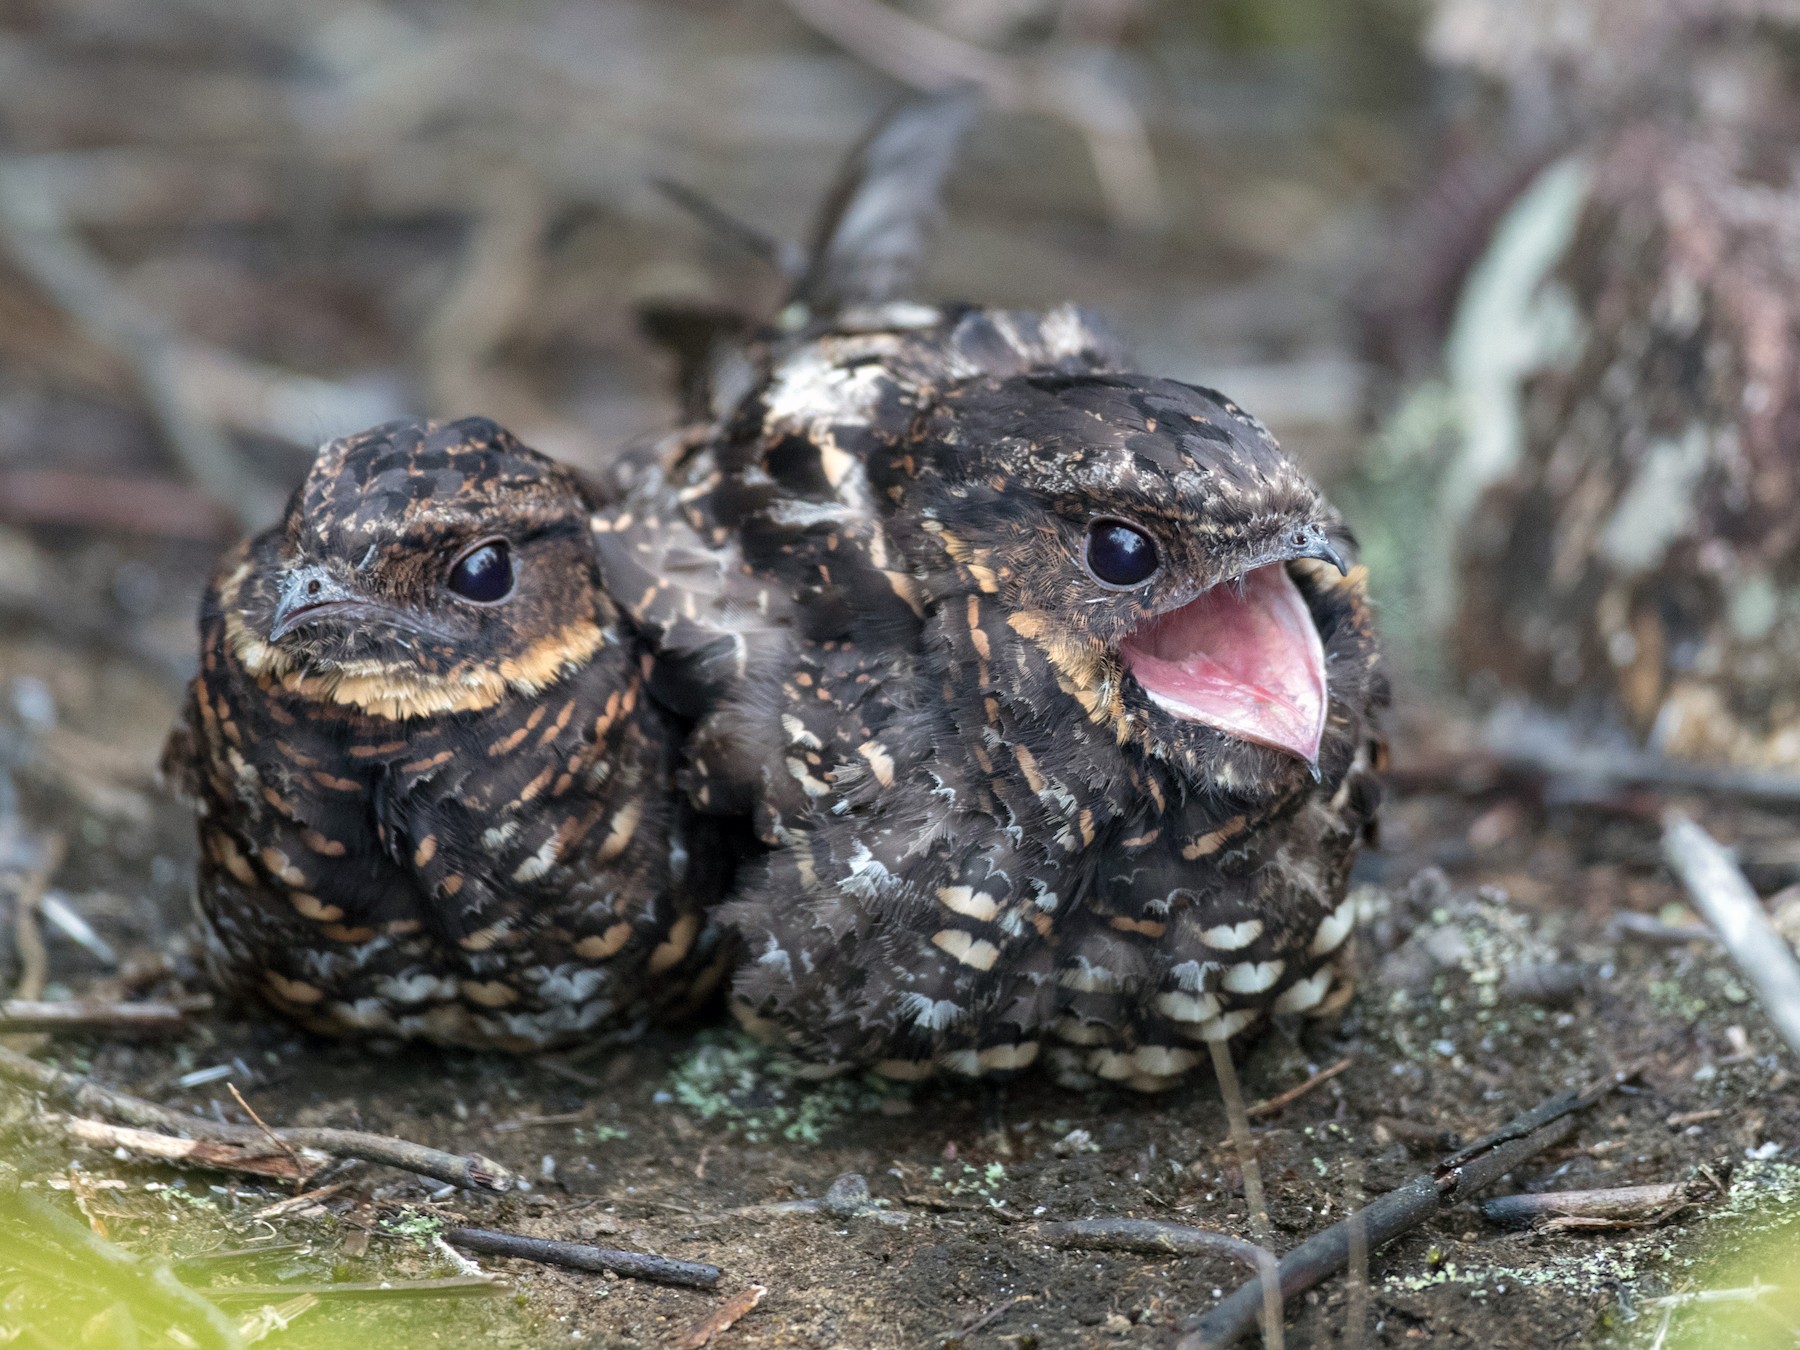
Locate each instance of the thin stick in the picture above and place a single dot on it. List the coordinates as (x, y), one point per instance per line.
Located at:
(20, 1014)
(295, 1203)
(34, 957)
(1399, 1211)
(451, 1285)
(1615, 1204)
(720, 1320)
(1226, 1074)
(471, 1171)
(285, 1163)
(1293, 1094)
(1356, 1313)
(273, 1138)
(581, 1256)
(1150, 1237)
(1727, 901)
(1535, 759)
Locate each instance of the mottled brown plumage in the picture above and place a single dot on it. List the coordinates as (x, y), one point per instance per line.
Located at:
(986, 836)
(432, 793)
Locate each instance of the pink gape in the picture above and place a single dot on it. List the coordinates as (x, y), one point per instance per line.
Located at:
(1244, 657)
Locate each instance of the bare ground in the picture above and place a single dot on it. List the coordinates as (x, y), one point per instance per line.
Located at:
(1493, 982)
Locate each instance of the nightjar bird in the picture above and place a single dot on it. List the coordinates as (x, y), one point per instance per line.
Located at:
(1047, 686)
(433, 797)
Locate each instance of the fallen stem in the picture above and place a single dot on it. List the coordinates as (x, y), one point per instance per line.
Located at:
(1726, 899)
(1226, 1074)
(451, 1285)
(1620, 1204)
(28, 937)
(24, 1014)
(278, 1161)
(720, 1320)
(1299, 1090)
(1399, 1211)
(471, 1171)
(582, 1256)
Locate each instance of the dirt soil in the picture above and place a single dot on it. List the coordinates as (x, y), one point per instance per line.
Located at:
(1494, 981)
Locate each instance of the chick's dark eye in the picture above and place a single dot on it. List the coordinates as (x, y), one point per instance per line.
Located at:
(483, 574)
(1119, 555)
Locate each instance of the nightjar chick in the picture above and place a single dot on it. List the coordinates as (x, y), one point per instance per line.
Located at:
(1049, 688)
(433, 798)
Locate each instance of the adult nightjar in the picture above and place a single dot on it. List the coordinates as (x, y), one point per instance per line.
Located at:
(433, 797)
(1048, 687)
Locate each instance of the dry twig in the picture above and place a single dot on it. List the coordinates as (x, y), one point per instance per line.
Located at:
(1722, 894)
(300, 1175)
(296, 1204)
(1455, 1177)
(471, 1171)
(1299, 1090)
(28, 938)
(281, 1161)
(21, 1015)
(1611, 1207)
(453, 1286)
(1226, 1074)
(582, 1256)
(720, 1320)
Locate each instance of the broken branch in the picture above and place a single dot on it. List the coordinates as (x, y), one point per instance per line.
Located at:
(1614, 1206)
(471, 1171)
(720, 1320)
(34, 959)
(282, 1162)
(21, 1014)
(1399, 1211)
(1299, 1090)
(1725, 898)
(581, 1256)
(452, 1285)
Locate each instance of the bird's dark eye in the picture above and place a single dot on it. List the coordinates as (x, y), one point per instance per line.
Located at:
(483, 574)
(1119, 554)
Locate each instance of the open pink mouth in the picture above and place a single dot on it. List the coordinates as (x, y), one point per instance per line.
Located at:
(1245, 658)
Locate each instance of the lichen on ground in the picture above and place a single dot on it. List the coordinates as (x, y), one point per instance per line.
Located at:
(759, 1093)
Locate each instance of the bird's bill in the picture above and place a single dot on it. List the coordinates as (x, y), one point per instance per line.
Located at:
(1244, 657)
(310, 595)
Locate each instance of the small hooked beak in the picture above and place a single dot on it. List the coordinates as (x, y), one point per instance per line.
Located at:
(308, 594)
(1310, 542)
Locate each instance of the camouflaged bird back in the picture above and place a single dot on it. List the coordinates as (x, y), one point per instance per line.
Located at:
(984, 842)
